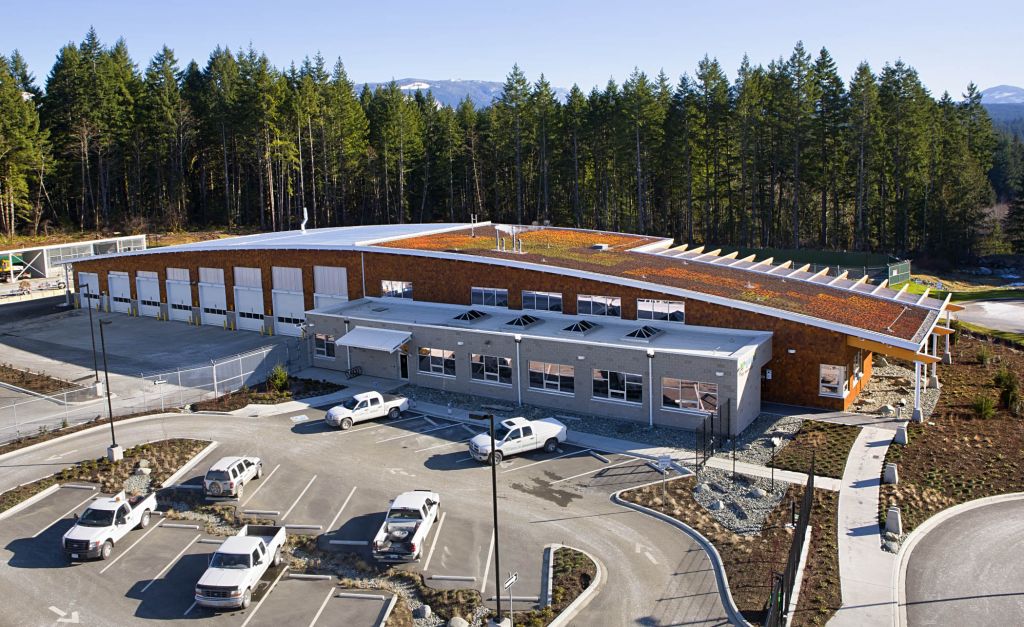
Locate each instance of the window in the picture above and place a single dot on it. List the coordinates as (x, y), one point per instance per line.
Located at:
(686, 394)
(489, 296)
(437, 361)
(148, 303)
(598, 305)
(181, 307)
(858, 365)
(833, 381)
(491, 369)
(670, 310)
(324, 345)
(396, 289)
(543, 301)
(552, 377)
(250, 315)
(618, 386)
(215, 311)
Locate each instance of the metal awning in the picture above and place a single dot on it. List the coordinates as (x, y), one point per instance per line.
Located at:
(374, 339)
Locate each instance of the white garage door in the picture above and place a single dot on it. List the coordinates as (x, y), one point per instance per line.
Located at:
(89, 289)
(289, 305)
(212, 298)
(330, 284)
(249, 298)
(147, 286)
(179, 294)
(120, 291)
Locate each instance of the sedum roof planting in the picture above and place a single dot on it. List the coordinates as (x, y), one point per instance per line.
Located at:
(579, 250)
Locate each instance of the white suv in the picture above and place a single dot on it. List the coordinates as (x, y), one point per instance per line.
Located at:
(230, 474)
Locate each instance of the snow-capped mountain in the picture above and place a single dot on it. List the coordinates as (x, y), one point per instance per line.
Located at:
(452, 92)
(1003, 94)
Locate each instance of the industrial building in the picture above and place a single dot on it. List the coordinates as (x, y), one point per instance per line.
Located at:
(600, 323)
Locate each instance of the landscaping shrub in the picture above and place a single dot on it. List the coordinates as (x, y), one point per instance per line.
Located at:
(983, 407)
(278, 379)
(1006, 378)
(984, 355)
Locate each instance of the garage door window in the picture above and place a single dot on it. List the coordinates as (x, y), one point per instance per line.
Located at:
(324, 346)
(832, 381)
(689, 395)
(552, 377)
(618, 386)
(491, 369)
(437, 361)
(250, 315)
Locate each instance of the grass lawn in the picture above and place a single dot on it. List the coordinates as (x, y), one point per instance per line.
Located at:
(1015, 338)
(828, 443)
(960, 457)
(967, 293)
(164, 456)
(751, 560)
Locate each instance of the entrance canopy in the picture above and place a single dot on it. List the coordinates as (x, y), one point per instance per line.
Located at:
(373, 339)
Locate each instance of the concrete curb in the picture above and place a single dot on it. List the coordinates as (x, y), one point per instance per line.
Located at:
(716, 560)
(88, 431)
(585, 597)
(549, 567)
(899, 576)
(32, 500)
(198, 457)
(386, 612)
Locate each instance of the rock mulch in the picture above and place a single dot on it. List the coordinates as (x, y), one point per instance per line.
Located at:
(754, 445)
(741, 505)
(893, 385)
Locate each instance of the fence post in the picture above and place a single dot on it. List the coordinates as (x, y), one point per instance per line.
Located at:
(241, 374)
(214, 378)
(66, 408)
(181, 394)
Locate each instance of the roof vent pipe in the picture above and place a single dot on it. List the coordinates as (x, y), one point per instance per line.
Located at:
(305, 218)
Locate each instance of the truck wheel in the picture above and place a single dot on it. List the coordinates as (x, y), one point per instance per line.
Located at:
(496, 458)
(551, 445)
(277, 557)
(144, 521)
(247, 598)
(346, 423)
(394, 412)
(259, 471)
(240, 491)
(106, 550)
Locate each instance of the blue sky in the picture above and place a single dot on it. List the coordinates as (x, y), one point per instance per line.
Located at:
(950, 43)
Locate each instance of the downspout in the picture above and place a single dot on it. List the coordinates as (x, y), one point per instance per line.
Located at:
(305, 218)
(650, 385)
(519, 372)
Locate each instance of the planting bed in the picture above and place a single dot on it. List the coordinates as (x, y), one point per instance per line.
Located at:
(957, 457)
(750, 560)
(34, 381)
(828, 443)
(262, 394)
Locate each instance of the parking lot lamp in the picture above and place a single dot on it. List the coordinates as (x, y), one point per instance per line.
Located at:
(494, 502)
(114, 452)
(92, 335)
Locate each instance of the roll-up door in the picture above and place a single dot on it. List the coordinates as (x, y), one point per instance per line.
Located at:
(249, 298)
(179, 294)
(212, 298)
(289, 305)
(147, 286)
(330, 286)
(120, 291)
(89, 289)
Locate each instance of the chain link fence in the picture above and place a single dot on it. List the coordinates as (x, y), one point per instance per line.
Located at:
(158, 391)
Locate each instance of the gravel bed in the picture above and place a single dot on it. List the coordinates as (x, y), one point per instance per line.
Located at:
(596, 425)
(893, 384)
(754, 444)
(739, 508)
(213, 524)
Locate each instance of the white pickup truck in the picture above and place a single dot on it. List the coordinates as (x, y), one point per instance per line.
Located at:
(104, 523)
(518, 435)
(238, 565)
(366, 406)
(406, 526)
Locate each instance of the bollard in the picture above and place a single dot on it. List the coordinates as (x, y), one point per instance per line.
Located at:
(901, 435)
(891, 474)
(893, 521)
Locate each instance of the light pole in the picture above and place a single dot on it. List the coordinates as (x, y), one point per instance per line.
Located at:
(92, 332)
(114, 452)
(494, 501)
(308, 335)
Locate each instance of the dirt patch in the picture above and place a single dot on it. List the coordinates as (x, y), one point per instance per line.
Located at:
(572, 572)
(750, 560)
(164, 457)
(35, 381)
(829, 444)
(957, 456)
(263, 394)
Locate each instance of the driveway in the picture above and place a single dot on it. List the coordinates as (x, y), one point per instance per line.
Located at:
(969, 570)
(1001, 315)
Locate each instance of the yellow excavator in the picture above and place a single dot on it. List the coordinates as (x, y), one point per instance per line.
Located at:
(9, 263)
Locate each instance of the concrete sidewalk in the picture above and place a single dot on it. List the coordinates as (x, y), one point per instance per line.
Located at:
(865, 570)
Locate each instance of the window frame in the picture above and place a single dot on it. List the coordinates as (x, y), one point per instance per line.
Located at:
(700, 388)
(479, 365)
(329, 350)
(553, 378)
(661, 310)
(842, 388)
(617, 386)
(393, 288)
(440, 362)
(533, 298)
(588, 304)
(496, 295)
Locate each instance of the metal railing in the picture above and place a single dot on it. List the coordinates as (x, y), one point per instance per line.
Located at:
(784, 584)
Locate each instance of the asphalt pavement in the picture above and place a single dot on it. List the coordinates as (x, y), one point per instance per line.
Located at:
(1001, 315)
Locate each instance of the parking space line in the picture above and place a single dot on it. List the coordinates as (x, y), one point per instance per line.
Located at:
(125, 552)
(190, 608)
(469, 428)
(298, 498)
(269, 590)
(487, 564)
(171, 563)
(586, 450)
(260, 486)
(320, 611)
(430, 448)
(432, 423)
(38, 533)
(343, 506)
(589, 472)
(409, 435)
(381, 425)
(437, 534)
